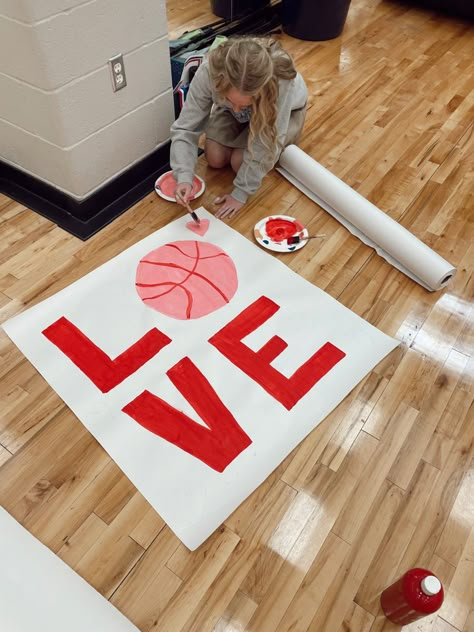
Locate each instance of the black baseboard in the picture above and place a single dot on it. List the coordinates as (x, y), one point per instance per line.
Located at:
(84, 219)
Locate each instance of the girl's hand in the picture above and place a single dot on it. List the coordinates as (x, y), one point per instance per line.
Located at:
(183, 193)
(230, 206)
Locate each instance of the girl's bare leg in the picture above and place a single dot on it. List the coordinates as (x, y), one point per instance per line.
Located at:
(217, 155)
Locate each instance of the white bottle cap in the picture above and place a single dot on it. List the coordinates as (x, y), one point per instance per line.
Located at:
(430, 585)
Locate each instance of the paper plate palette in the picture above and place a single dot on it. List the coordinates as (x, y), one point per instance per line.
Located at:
(165, 186)
(272, 233)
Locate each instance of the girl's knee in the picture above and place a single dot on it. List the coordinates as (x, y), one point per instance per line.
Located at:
(217, 155)
(236, 159)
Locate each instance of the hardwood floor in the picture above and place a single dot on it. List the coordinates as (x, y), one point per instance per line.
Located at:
(385, 483)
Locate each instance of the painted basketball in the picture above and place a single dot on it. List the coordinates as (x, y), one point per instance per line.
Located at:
(186, 279)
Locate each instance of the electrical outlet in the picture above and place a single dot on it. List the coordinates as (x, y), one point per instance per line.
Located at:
(117, 70)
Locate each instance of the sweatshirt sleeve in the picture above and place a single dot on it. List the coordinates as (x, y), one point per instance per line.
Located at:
(187, 129)
(254, 168)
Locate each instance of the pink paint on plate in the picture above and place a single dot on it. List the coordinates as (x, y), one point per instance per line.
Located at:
(165, 186)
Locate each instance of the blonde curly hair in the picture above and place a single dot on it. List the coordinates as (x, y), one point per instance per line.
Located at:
(253, 66)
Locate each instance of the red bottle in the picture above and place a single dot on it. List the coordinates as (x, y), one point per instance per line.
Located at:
(415, 595)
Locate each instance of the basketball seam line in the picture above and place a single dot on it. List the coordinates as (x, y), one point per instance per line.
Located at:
(174, 265)
(188, 294)
(200, 276)
(190, 256)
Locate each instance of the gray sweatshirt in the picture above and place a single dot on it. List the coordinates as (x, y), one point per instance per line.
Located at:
(187, 129)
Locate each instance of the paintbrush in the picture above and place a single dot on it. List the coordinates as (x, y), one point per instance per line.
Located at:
(190, 210)
(296, 239)
(192, 213)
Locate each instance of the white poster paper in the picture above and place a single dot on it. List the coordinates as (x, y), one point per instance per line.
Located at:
(363, 219)
(232, 360)
(39, 592)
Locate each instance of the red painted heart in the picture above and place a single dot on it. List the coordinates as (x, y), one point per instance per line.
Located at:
(200, 229)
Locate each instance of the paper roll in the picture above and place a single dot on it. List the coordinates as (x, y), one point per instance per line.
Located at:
(364, 220)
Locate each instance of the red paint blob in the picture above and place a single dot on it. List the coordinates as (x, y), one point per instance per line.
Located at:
(280, 229)
(186, 279)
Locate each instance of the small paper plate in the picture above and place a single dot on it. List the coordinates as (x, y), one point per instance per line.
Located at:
(272, 233)
(165, 186)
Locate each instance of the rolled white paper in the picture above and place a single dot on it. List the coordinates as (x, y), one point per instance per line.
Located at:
(363, 219)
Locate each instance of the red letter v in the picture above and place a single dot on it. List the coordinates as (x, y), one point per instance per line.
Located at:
(216, 445)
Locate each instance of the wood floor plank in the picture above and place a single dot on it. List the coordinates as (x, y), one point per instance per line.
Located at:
(20, 474)
(330, 614)
(154, 599)
(75, 547)
(31, 410)
(458, 603)
(353, 515)
(443, 386)
(452, 419)
(4, 201)
(140, 596)
(383, 569)
(356, 619)
(4, 455)
(317, 581)
(426, 536)
(432, 623)
(73, 487)
(282, 541)
(148, 528)
(184, 603)
(221, 591)
(237, 614)
(116, 499)
(114, 553)
(469, 626)
(330, 491)
(459, 524)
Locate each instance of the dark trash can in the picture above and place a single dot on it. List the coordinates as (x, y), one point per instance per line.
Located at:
(229, 9)
(314, 20)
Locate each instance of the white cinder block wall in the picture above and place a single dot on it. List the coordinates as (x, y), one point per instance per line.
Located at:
(59, 118)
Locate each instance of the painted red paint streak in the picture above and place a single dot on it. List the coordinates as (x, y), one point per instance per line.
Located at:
(185, 254)
(272, 349)
(288, 391)
(280, 229)
(218, 444)
(104, 372)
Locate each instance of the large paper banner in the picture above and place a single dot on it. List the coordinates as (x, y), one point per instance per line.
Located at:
(39, 592)
(199, 362)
